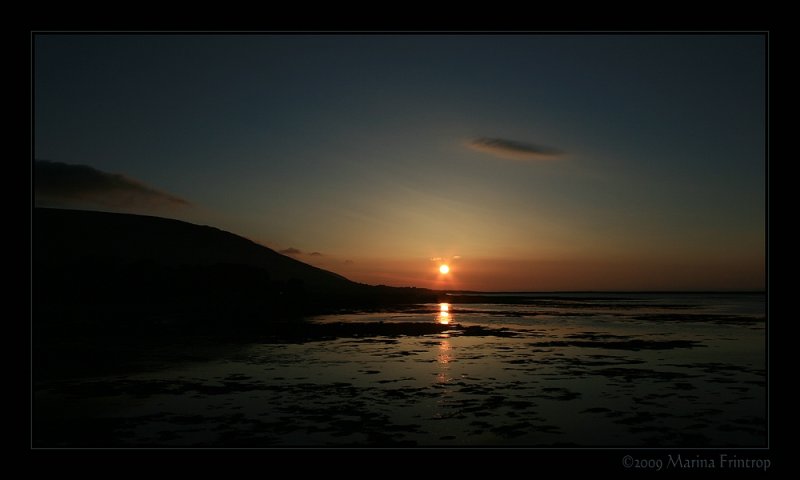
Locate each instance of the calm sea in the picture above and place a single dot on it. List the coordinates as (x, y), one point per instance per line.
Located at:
(544, 370)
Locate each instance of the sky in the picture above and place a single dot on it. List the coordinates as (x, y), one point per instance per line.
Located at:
(526, 162)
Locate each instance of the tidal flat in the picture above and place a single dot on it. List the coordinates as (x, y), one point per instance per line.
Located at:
(626, 370)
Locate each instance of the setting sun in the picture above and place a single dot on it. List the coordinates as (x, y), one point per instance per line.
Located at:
(444, 269)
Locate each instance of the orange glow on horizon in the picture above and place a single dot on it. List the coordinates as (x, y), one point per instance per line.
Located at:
(501, 274)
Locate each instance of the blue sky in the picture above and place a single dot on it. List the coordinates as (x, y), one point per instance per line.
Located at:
(358, 147)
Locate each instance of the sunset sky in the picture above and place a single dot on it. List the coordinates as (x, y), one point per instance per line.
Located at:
(525, 162)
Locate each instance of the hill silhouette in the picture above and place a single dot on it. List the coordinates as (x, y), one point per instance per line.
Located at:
(87, 264)
(77, 238)
(110, 289)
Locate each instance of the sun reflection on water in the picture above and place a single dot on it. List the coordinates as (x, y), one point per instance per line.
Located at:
(444, 357)
(443, 316)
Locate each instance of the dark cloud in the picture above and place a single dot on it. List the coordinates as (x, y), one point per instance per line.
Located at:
(516, 150)
(315, 254)
(62, 184)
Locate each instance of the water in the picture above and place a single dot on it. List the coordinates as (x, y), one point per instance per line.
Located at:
(594, 370)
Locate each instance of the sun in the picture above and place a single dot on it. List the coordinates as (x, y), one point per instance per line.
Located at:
(444, 269)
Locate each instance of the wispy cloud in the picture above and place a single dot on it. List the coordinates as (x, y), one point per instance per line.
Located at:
(297, 251)
(445, 259)
(504, 148)
(63, 184)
